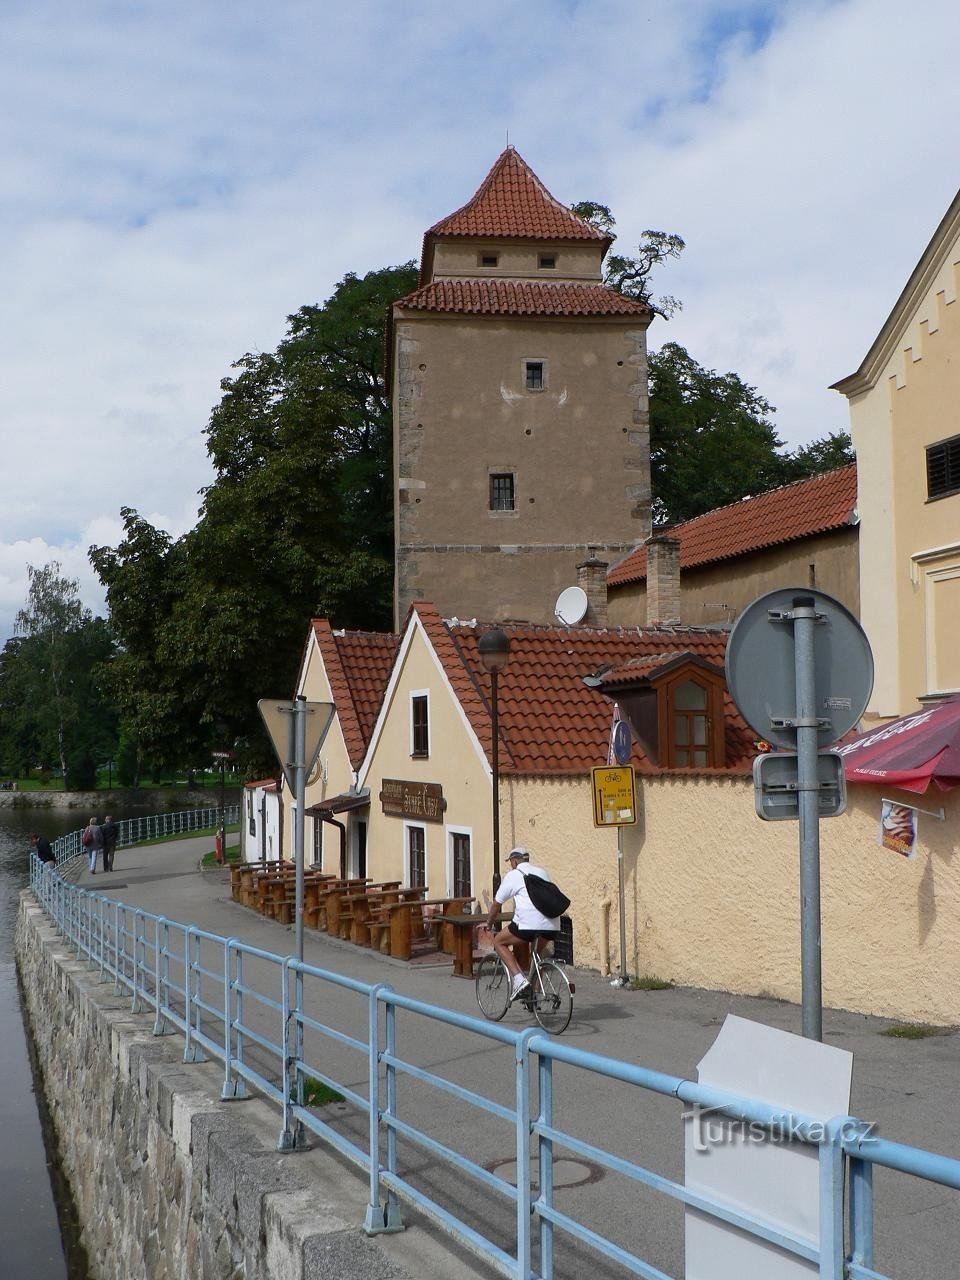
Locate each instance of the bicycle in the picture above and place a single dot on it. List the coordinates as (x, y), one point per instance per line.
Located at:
(549, 996)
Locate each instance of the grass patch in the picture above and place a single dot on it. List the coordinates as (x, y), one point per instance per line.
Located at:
(316, 1094)
(648, 982)
(912, 1031)
(183, 835)
(232, 855)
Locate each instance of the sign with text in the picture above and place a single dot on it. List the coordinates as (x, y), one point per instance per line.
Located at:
(614, 797)
(423, 800)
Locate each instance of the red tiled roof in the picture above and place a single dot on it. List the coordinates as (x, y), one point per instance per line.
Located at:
(550, 721)
(268, 784)
(512, 203)
(799, 510)
(522, 298)
(358, 666)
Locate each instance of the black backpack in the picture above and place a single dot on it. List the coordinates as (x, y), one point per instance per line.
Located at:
(548, 898)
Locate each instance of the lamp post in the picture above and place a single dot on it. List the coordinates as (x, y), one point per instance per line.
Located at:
(221, 757)
(494, 650)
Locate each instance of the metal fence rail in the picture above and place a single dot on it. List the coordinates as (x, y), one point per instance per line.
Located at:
(134, 830)
(220, 994)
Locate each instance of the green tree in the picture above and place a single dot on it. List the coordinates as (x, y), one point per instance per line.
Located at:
(297, 521)
(712, 440)
(51, 690)
(632, 274)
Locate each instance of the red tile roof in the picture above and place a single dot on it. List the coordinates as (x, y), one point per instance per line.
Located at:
(522, 298)
(512, 203)
(799, 510)
(358, 666)
(550, 721)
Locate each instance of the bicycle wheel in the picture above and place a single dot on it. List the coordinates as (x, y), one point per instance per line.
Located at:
(553, 1001)
(493, 988)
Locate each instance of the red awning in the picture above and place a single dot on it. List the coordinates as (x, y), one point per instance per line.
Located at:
(910, 752)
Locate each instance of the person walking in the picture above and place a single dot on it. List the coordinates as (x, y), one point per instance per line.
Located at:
(109, 831)
(93, 843)
(528, 924)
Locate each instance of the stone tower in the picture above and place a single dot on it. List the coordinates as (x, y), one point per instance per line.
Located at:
(519, 388)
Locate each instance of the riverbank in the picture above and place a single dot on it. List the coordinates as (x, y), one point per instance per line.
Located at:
(148, 800)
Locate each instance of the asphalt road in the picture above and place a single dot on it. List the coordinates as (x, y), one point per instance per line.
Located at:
(907, 1088)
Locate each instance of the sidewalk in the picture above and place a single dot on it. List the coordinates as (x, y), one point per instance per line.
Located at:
(907, 1087)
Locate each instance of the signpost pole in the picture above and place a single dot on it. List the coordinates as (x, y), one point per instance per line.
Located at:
(804, 621)
(623, 913)
(299, 734)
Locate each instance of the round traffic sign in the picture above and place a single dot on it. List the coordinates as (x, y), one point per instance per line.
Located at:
(761, 666)
(622, 742)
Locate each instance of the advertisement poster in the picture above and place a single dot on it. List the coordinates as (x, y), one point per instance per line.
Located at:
(898, 828)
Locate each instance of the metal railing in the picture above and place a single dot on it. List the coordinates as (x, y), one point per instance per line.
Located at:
(153, 827)
(256, 1012)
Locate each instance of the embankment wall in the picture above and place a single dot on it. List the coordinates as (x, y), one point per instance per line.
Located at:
(171, 1182)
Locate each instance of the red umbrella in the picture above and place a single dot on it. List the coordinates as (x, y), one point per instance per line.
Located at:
(909, 752)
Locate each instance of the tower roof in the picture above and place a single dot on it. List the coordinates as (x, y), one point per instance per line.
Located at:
(512, 203)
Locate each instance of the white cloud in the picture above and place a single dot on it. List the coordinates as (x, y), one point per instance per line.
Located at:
(180, 178)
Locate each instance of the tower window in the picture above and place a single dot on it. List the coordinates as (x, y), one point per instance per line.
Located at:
(547, 261)
(533, 373)
(502, 496)
(489, 259)
(943, 468)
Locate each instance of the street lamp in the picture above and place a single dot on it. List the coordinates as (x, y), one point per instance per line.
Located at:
(222, 756)
(494, 650)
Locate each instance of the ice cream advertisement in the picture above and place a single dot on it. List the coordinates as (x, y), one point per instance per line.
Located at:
(898, 828)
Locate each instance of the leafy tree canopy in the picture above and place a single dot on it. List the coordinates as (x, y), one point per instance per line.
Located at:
(712, 440)
(297, 521)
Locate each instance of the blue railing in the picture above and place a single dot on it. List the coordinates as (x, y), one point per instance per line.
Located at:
(134, 830)
(254, 1011)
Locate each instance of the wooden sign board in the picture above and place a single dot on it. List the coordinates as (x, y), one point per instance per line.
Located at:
(422, 800)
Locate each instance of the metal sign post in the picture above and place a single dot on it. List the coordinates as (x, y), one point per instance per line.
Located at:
(801, 686)
(615, 805)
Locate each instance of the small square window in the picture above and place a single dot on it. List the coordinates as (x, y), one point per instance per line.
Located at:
(943, 468)
(533, 375)
(502, 496)
(489, 259)
(547, 261)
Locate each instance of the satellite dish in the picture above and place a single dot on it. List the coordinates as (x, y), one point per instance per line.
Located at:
(571, 606)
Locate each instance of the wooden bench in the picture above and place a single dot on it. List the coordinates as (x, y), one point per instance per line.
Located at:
(406, 924)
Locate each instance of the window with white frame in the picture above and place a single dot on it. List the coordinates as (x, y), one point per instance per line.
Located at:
(416, 856)
(460, 862)
(420, 723)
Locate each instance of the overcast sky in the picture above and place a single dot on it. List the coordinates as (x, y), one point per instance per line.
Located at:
(180, 177)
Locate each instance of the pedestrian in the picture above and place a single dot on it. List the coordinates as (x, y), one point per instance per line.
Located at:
(93, 843)
(110, 830)
(43, 847)
(528, 924)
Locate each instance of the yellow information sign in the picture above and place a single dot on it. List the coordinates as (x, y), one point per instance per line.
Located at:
(614, 797)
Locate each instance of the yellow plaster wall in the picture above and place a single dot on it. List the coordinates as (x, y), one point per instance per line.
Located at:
(713, 893)
(453, 762)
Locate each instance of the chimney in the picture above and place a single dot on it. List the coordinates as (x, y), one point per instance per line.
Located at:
(663, 579)
(592, 577)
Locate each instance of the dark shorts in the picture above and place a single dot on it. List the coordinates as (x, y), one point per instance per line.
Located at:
(529, 935)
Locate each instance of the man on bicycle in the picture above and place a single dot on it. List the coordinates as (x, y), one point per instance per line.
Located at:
(528, 924)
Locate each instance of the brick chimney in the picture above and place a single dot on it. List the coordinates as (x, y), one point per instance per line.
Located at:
(592, 577)
(663, 579)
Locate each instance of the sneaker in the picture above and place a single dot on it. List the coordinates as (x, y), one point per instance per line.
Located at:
(518, 985)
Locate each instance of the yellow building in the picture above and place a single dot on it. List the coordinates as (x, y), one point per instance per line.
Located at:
(903, 401)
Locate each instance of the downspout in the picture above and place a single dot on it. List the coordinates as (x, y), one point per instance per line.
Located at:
(328, 817)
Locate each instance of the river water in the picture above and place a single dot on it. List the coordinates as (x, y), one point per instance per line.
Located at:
(37, 1231)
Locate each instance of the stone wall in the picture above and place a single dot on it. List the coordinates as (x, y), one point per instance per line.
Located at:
(169, 1181)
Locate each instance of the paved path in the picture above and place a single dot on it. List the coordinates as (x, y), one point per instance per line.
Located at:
(908, 1087)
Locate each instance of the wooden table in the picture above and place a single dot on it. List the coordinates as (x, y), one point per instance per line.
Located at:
(463, 927)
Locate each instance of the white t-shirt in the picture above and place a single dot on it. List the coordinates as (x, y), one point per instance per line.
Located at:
(525, 914)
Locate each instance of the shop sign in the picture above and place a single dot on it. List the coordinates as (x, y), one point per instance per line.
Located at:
(423, 800)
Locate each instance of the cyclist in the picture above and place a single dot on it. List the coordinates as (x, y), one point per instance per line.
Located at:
(528, 924)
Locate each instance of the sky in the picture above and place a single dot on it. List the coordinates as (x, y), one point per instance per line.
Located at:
(179, 178)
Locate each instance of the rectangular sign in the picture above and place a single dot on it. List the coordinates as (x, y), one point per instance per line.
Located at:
(614, 797)
(898, 828)
(422, 800)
